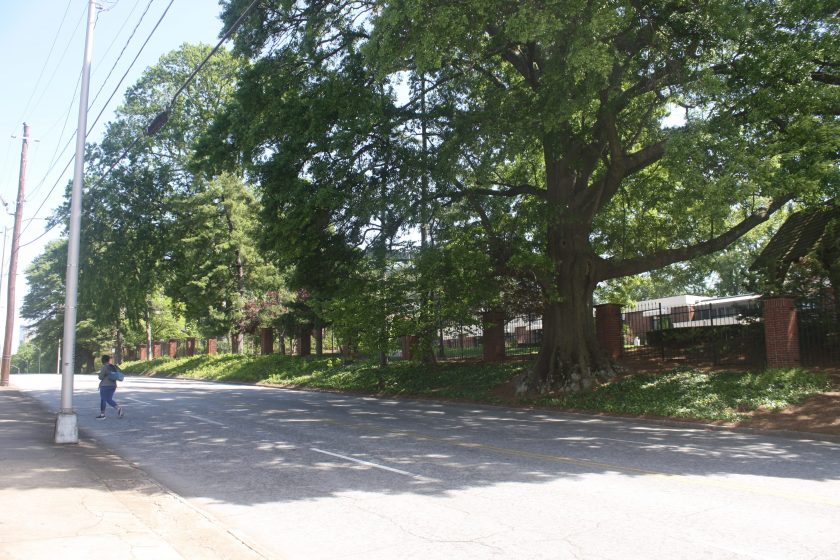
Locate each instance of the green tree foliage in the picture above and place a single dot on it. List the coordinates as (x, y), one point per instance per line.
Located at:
(216, 268)
(30, 359)
(151, 224)
(43, 306)
(548, 127)
(321, 136)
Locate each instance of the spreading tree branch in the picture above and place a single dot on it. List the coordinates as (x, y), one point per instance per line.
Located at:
(826, 78)
(611, 268)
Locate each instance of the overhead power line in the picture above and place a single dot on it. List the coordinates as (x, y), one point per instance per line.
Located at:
(49, 55)
(58, 64)
(55, 155)
(66, 118)
(161, 119)
(122, 52)
(130, 66)
(116, 88)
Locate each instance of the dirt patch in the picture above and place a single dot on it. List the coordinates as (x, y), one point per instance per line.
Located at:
(817, 414)
(506, 392)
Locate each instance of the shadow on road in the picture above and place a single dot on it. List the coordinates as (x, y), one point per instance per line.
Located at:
(262, 445)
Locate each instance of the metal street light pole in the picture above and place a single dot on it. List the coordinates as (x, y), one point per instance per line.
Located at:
(66, 423)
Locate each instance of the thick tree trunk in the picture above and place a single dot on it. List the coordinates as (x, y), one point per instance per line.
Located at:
(90, 362)
(319, 337)
(148, 335)
(118, 347)
(236, 339)
(570, 358)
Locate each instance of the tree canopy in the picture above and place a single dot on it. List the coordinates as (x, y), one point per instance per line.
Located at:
(547, 127)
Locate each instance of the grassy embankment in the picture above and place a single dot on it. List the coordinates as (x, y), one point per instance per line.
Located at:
(681, 393)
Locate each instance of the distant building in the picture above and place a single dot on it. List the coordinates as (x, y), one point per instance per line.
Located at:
(684, 311)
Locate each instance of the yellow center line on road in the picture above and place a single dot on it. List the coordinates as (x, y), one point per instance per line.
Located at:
(694, 480)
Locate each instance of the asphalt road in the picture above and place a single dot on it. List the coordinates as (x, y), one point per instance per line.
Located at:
(331, 476)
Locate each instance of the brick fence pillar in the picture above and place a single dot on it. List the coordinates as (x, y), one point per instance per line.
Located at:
(608, 329)
(142, 352)
(211, 345)
(493, 335)
(190, 346)
(172, 348)
(781, 332)
(267, 340)
(157, 349)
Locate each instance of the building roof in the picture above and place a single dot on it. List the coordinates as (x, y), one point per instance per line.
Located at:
(797, 237)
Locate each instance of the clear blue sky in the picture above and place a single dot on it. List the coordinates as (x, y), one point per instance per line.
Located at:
(42, 45)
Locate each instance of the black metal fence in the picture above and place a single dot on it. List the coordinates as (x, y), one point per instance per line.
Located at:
(465, 340)
(523, 335)
(722, 332)
(460, 340)
(819, 331)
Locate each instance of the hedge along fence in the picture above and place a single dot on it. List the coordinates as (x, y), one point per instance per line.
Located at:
(819, 330)
(516, 336)
(741, 344)
(723, 332)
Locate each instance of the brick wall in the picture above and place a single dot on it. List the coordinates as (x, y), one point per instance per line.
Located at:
(608, 329)
(781, 333)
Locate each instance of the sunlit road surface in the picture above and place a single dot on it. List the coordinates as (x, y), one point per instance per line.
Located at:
(323, 475)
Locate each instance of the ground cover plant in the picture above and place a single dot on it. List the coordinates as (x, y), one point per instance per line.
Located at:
(689, 393)
(453, 380)
(680, 393)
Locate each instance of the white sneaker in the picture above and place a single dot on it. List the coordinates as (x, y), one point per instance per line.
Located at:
(120, 412)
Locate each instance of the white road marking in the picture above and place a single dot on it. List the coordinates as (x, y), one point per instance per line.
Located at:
(204, 419)
(369, 464)
(135, 400)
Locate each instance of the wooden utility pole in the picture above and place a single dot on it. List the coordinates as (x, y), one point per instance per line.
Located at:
(5, 367)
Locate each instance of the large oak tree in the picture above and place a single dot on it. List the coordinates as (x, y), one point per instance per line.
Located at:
(558, 108)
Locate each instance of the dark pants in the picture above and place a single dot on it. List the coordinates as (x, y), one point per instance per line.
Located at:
(106, 396)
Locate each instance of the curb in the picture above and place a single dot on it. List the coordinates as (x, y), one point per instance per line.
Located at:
(157, 509)
(672, 422)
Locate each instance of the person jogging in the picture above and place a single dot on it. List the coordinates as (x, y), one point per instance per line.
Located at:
(107, 388)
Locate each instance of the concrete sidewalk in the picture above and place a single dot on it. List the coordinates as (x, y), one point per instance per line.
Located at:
(82, 501)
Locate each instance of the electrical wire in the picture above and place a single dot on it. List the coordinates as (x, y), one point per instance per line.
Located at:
(54, 159)
(118, 33)
(49, 54)
(57, 181)
(161, 119)
(90, 128)
(122, 52)
(41, 74)
(55, 156)
(69, 111)
(46, 231)
(224, 38)
(60, 60)
(116, 88)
